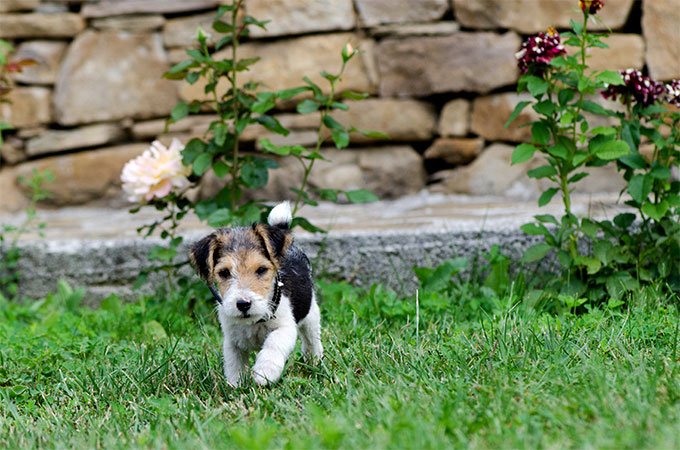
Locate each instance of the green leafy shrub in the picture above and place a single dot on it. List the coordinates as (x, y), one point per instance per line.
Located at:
(237, 106)
(10, 253)
(608, 258)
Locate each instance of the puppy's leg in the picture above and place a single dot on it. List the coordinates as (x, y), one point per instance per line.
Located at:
(234, 362)
(310, 332)
(276, 349)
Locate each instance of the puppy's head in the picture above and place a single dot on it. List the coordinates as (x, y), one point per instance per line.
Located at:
(243, 263)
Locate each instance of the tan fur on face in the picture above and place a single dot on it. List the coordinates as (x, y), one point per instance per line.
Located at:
(242, 256)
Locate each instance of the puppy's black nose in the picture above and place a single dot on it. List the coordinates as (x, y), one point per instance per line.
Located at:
(242, 305)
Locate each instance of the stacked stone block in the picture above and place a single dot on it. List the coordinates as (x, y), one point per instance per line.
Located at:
(440, 74)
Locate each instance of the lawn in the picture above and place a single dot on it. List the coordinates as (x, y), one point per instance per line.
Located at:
(148, 374)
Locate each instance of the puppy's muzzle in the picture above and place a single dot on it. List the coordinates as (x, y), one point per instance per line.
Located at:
(242, 305)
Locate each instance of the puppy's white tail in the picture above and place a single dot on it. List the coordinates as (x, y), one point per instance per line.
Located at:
(281, 216)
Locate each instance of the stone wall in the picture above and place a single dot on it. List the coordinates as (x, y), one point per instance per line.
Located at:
(440, 74)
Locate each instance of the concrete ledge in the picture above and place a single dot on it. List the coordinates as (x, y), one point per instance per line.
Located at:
(112, 266)
(376, 243)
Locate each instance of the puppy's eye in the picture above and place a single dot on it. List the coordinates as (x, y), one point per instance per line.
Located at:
(224, 273)
(261, 271)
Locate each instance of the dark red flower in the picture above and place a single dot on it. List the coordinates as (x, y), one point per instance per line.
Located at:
(592, 6)
(640, 88)
(537, 51)
(673, 93)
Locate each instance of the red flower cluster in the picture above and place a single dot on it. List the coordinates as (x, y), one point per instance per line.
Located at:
(537, 51)
(592, 6)
(642, 89)
(673, 93)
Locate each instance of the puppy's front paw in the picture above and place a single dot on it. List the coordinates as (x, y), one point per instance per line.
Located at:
(234, 383)
(267, 371)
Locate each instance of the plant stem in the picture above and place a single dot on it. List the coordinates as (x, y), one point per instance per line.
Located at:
(235, 107)
(319, 140)
(566, 168)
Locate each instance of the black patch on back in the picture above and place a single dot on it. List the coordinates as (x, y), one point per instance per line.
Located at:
(296, 276)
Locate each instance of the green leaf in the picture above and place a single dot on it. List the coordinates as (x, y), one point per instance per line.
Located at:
(536, 252)
(634, 161)
(606, 131)
(329, 76)
(254, 176)
(373, 134)
(250, 20)
(546, 196)
(332, 124)
(179, 68)
(624, 220)
(243, 64)
(339, 105)
(340, 138)
(577, 177)
(546, 218)
(660, 173)
(192, 77)
(306, 225)
(631, 134)
(537, 86)
(579, 158)
(352, 95)
(546, 107)
(620, 283)
(223, 41)
(202, 163)
(307, 106)
(533, 229)
(220, 218)
(610, 77)
(220, 169)
(591, 264)
(565, 96)
(268, 146)
(559, 151)
(516, 112)
(272, 123)
(540, 133)
(594, 108)
(639, 187)
(655, 211)
(222, 27)
(611, 150)
(265, 102)
(287, 94)
(329, 194)
(192, 150)
(523, 153)
(361, 196)
(542, 172)
(180, 111)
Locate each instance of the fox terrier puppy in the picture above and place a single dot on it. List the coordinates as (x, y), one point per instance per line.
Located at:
(265, 295)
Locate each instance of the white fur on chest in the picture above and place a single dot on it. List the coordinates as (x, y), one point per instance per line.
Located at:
(248, 337)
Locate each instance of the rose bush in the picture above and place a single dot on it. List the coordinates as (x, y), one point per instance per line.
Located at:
(606, 259)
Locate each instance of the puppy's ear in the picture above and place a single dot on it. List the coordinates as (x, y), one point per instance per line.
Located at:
(275, 240)
(201, 255)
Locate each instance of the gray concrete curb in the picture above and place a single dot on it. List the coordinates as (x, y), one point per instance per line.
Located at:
(110, 266)
(99, 249)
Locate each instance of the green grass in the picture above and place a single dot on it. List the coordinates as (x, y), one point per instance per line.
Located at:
(149, 375)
